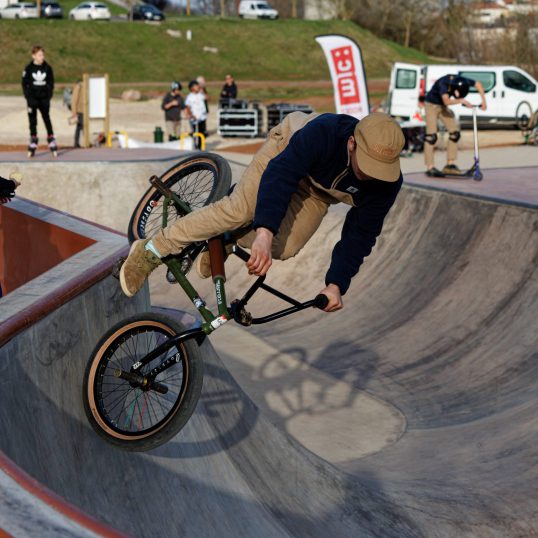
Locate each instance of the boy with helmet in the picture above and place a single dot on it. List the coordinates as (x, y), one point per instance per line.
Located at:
(172, 105)
(447, 91)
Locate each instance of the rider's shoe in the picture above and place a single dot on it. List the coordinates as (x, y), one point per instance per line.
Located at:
(137, 267)
(203, 262)
(452, 169)
(203, 265)
(434, 172)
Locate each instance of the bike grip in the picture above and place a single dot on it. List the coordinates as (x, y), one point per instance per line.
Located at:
(321, 301)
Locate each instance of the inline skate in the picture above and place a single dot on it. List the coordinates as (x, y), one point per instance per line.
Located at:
(32, 147)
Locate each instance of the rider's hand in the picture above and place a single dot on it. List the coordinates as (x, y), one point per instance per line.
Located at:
(332, 291)
(484, 106)
(16, 177)
(466, 103)
(260, 253)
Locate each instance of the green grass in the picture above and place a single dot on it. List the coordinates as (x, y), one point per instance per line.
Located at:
(136, 52)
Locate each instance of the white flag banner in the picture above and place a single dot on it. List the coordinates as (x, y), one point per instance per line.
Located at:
(347, 73)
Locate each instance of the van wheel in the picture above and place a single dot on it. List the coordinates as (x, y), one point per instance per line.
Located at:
(523, 115)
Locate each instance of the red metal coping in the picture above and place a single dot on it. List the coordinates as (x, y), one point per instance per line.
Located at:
(16, 324)
(40, 308)
(54, 501)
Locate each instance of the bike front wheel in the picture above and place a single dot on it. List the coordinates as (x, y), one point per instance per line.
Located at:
(198, 180)
(131, 415)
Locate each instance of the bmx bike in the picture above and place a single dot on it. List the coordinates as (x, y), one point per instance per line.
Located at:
(144, 377)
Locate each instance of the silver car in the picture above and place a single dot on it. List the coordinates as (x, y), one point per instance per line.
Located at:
(20, 10)
(90, 11)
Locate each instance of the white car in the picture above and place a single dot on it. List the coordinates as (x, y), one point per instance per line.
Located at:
(20, 10)
(90, 11)
(249, 9)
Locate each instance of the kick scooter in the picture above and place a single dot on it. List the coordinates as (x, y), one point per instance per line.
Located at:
(473, 172)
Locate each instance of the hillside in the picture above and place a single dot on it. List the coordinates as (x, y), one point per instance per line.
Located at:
(137, 52)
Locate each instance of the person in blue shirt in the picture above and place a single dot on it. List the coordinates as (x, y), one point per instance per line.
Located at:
(307, 163)
(447, 91)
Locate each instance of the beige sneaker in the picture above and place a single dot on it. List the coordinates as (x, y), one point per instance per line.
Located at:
(203, 265)
(203, 261)
(137, 267)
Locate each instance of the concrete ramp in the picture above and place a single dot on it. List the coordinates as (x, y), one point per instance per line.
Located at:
(439, 326)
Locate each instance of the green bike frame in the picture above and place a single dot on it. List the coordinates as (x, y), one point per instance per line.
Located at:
(211, 321)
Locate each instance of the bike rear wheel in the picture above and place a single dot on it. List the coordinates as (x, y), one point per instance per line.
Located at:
(131, 416)
(198, 180)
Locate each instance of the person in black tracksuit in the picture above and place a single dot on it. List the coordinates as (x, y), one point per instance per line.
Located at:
(7, 192)
(38, 88)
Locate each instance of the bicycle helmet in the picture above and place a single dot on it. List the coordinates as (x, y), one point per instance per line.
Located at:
(461, 84)
(176, 85)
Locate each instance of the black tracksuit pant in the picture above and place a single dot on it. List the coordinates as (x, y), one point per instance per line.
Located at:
(44, 107)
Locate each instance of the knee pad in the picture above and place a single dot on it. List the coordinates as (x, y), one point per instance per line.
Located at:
(455, 136)
(431, 138)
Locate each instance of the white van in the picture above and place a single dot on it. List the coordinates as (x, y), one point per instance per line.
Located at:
(511, 93)
(256, 10)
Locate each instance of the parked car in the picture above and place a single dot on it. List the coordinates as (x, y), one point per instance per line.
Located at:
(147, 12)
(51, 10)
(250, 9)
(20, 10)
(90, 11)
(511, 92)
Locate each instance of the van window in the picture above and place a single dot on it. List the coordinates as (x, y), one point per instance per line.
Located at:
(487, 78)
(406, 79)
(517, 81)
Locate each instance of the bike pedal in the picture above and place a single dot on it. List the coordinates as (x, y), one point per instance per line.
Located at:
(116, 268)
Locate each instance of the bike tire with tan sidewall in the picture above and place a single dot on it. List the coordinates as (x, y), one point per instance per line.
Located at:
(214, 177)
(184, 403)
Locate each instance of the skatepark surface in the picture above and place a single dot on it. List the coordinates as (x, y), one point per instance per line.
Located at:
(410, 413)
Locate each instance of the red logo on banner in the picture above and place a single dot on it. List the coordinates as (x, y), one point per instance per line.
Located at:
(344, 65)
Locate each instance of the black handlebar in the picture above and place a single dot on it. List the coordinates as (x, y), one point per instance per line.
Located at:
(320, 301)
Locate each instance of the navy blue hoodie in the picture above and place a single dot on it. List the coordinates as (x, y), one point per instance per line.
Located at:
(319, 151)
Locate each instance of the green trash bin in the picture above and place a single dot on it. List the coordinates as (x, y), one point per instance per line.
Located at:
(158, 135)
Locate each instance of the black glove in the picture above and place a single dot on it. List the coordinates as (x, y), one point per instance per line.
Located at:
(7, 188)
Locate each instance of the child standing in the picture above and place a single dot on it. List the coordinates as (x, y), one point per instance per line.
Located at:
(38, 87)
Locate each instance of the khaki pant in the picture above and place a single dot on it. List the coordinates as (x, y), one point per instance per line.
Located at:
(305, 212)
(433, 114)
(173, 128)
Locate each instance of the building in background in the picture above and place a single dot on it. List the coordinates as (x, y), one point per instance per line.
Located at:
(320, 9)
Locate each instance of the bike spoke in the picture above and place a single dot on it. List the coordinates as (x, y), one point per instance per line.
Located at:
(127, 407)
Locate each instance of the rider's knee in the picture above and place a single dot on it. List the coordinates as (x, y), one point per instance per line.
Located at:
(454, 136)
(431, 139)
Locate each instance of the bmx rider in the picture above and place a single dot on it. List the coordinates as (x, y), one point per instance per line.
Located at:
(307, 163)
